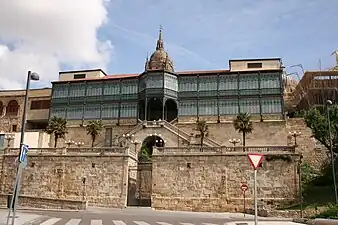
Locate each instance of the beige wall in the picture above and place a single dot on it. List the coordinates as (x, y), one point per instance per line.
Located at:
(32, 139)
(266, 65)
(89, 74)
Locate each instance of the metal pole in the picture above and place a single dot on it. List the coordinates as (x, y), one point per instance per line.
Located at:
(300, 188)
(244, 202)
(22, 139)
(255, 196)
(332, 157)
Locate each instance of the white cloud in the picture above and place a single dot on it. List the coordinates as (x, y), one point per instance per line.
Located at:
(42, 35)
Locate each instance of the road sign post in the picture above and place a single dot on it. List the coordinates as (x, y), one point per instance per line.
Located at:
(255, 161)
(22, 159)
(244, 188)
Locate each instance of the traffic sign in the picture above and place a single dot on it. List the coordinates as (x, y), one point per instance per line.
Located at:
(255, 160)
(244, 187)
(23, 153)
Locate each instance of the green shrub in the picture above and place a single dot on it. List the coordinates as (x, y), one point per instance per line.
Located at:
(330, 213)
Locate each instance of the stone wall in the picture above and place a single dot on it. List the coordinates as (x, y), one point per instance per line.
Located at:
(98, 176)
(206, 181)
(44, 203)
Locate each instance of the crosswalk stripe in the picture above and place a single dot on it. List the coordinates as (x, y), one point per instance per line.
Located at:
(209, 224)
(51, 221)
(96, 222)
(141, 223)
(187, 223)
(118, 222)
(163, 223)
(73, 222)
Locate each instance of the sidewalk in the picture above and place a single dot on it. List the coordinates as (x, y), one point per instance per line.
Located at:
(263, 223)
(20, 218)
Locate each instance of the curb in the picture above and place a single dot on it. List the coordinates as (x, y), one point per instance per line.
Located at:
(44, 210)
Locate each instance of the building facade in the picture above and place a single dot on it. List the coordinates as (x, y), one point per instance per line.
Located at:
(159, 92)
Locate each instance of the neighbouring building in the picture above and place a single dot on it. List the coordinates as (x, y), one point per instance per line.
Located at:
(315, 88)
(11, 110)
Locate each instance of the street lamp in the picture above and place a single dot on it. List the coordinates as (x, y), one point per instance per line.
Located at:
(234, 141)
(69, 143)
(35, 77)
(79, 144)
(9, 138)
(135, 143)
(328, 104)
(295, 134)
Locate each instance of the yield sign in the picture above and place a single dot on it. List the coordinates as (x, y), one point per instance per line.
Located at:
(255, 160)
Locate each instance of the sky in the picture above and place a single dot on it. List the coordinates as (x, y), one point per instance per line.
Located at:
(116, 35)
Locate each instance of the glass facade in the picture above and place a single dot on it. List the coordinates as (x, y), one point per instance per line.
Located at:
(196, 95)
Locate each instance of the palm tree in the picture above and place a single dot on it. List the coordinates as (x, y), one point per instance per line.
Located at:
(203, 130)
(58, 127)
(243, 124)
(94, 128)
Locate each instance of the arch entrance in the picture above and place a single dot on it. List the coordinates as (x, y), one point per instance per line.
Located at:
(140, 177)
(154, 109)
(170, 110)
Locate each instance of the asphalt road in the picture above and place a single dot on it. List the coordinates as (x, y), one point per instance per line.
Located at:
(132, 216)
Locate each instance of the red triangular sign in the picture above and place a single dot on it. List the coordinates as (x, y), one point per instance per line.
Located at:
(255, 160)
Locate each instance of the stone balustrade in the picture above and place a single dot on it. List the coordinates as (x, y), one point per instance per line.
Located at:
(224, 149)
(74, 151)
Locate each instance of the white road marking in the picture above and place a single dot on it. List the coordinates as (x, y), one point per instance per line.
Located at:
(51, 221)
(73, 222)
(141, 223)
(187, 223)
(209, 223)
(163, 223)
(118, 222)
(96, 222)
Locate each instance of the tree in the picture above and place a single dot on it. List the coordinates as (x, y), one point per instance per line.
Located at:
(316, 120)
(58, 127)
(203, 130)
(145, 154)
(94, 129)
(243, 124)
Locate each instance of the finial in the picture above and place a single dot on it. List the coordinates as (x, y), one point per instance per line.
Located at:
(160, 41)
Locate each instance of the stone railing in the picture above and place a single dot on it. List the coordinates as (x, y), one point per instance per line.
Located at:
(224, 149)
(74, 151)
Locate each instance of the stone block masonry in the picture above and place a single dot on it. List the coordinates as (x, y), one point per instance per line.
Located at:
(97, 176)
(209, 181)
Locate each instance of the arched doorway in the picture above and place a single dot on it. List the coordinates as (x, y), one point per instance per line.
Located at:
(141, 110)
(154, 109)
(148, 145)
(170, 110)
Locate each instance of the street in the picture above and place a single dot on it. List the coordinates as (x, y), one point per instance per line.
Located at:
(134, 216)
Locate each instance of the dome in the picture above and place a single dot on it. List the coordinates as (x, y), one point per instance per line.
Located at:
(160, 60)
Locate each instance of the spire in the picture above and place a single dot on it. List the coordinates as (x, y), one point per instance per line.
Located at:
(160, 40)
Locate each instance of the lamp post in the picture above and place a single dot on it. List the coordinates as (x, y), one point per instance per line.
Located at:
(328, 104)
(234, 141)
(300, 185)
(79, 144)
(9, 138)
(295, 134)
(69, 143)
(135, 143)
(35, 77)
